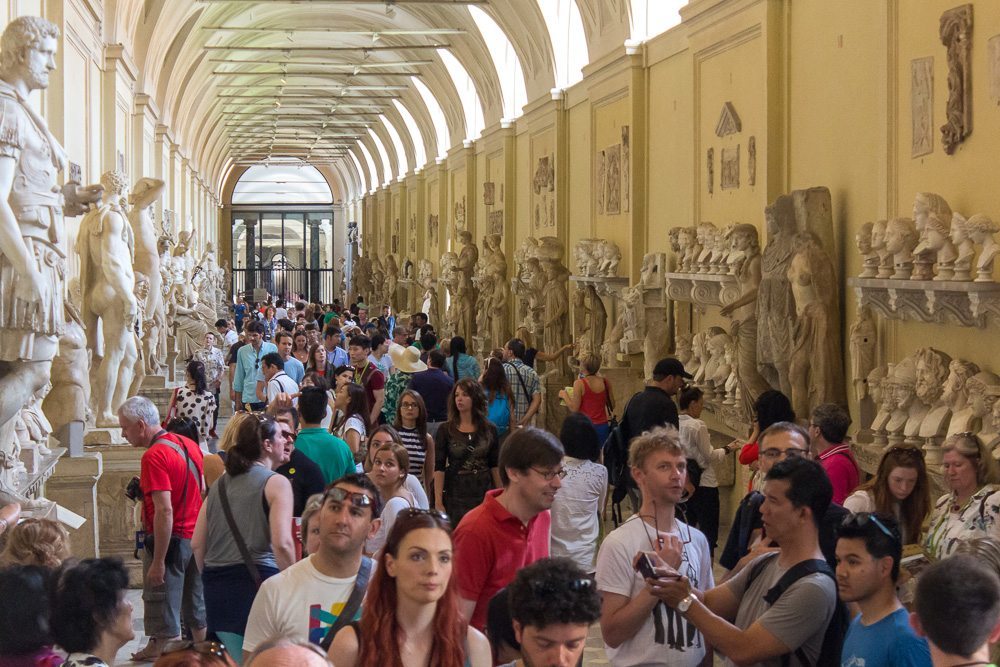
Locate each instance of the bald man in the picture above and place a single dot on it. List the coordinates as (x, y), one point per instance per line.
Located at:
(285, 653)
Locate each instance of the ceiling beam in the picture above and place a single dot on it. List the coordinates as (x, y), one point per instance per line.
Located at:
(247, 47)
(326, 32)
(361, 65)
(285, 73)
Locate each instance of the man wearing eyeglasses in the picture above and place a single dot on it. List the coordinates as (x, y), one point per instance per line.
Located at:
(510, 529)
(868, 553)
(307, 601)
(637, 628)
(247, 366)
(762, 617)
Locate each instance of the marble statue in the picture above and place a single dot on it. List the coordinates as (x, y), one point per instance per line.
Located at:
(906, 409)
(925, 206)
(145, 193)
(139, 335)
(957, 390)
(933, 368)
(882, 396)
(699, 358)
(391, 283)
(632, 316)
(744, 313)
(863, 240)
(684, 352)
(425, 272)
(377, 293)
(555, 331)
(690, 245)
(107, 281)
(408, 269)
(900, 240)
(587, 255)
(718, 263)
(35, 424)
(449, 279)
(361, 277)
(468, 256)
(775, 304)
(983, 389)
(732, 384)
(815, 369)
(69, 399)
(341, 283)
(981, 229)
(965, 248)
(674, 239)
(935, 241)
(498, 300)
(652, 272)
(721, 351)
(536, 295)
(611, 256)
(705, 236)
(190, 323)
(430, 305)
(878, 247)
(863, 348)
(715, 342)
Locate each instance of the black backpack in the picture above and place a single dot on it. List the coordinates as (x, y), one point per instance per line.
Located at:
(619, 473)
(836, 630)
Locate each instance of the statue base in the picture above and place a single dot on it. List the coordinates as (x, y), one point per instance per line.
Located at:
(97, 437)
(115, 513)
(74, 484)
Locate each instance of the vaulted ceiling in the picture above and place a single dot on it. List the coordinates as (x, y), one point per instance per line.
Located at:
(365, 88)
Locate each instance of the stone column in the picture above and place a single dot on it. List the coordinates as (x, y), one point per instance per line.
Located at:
(251, 279)
(315, 263)
(74, 485)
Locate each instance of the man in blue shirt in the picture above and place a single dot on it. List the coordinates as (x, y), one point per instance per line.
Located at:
(869, 549)
(293, 367)
(248, 365)
(335, 354)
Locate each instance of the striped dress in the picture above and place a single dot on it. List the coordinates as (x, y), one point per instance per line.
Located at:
(416, 447)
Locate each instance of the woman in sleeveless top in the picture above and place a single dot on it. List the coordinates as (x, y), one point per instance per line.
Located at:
(260, 503)
(300, 347)
(387, 435)
(466, 451)
(411, 424)
(351, 424)
(411, 616)
(591, 396)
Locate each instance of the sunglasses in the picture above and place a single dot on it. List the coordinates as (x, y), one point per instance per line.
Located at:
(420, 511)
(861, 519)
(201, 648)
(339, 495)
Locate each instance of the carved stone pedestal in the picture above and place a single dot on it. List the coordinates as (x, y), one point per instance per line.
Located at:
(104, 436)
(74, 486)
(702, 289)
(154, 382)
(115, 512)
(968, 304)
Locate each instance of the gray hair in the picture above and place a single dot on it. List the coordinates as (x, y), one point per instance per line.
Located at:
(139, 408)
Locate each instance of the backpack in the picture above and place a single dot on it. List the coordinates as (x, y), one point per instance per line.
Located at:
(615, 451)
(836, 629)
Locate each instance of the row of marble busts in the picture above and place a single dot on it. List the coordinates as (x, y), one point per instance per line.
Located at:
(710, 357)
(706, 249)
(928, 396)
(597, 258)
(936, 244)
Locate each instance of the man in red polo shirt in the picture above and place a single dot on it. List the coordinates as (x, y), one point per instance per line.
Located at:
(510, 529)
(170, 476)
(827, 432)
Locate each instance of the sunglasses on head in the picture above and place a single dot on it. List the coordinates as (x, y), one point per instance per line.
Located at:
(356, 498)
(202, 648)
(420, 511)
(861, 519)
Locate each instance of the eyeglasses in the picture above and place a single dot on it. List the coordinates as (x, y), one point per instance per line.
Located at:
(202, 648)
(339, 495)
(791, 452)
(408, 406)
(549, 475)
(420, 511)
(861, 520)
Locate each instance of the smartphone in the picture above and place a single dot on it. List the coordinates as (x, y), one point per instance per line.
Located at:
(644, 565)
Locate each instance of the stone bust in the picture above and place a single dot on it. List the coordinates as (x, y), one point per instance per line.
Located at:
(926, 205)
(900, 240)
(981, 229)
(933, 369)
(863, 241)
(956, 395)
(965, 248)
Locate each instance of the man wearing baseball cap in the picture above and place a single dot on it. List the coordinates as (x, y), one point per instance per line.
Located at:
(654, 405)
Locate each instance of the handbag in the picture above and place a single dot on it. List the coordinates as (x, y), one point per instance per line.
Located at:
(171, 409)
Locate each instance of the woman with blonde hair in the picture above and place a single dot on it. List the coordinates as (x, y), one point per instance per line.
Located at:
(41, 542)
(899, 488)
(214, 465)
(591, 396)
(971, 508)
(390, 463)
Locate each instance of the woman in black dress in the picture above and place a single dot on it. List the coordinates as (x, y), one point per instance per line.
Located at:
(466, 449)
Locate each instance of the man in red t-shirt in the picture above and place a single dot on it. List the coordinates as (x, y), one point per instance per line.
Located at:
(367, 374)
(827, 432)
(171, 481)
(510, 529)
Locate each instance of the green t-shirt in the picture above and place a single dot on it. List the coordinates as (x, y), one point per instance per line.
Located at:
(326, 450)
(328, 317)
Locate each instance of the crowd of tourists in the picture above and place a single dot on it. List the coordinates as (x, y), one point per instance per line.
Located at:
(381, 497)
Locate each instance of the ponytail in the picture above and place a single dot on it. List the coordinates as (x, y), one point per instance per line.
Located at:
(249, 443)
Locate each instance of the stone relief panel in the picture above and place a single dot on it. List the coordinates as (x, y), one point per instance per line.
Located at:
(613, 180)
(433, 228)
(543, 189)
(626, 170)
(956, 35)
(752, 161)
(922, 106)
(599, 178)
(730, 176)
(729, 121)
(489, 194)
(411, 234)
(710, 169)
(993, 57)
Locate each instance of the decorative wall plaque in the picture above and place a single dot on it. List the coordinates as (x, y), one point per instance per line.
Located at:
(489, 192)
(993, 54)
(599, 181)
(613, 180)
(729, 121)
(956, 35)
(752, 161)
(922, 106)
(710, 165)
(730, 176)
(626, 170)
(495, 219)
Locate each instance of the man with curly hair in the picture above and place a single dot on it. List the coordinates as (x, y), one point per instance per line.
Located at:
(553, 603)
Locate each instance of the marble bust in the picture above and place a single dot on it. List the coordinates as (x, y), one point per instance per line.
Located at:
(935, 240)
(863, 240)
(878, 247)
(900, 240)
(925, 206)
(965, 248)
(956, 394)
(933, 369)
(981, 229)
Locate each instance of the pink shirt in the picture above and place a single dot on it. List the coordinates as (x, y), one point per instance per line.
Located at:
(491, 545)
(840, 467)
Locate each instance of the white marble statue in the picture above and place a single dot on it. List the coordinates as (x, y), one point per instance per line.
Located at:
(587, 256)
(863, 348)
(965, 248)
(105, 245)
(981, 229)
(935, 241)
(863, 240)
(392, 282)
(611, 256)
(900, 239)
(468, 256)
(957, 391)
(933, 368)
(498, 300)
(705, 235)
(632, 316)
(145, 193)
(691, 247)
(878, 247)
(925, 206)
(69, 399)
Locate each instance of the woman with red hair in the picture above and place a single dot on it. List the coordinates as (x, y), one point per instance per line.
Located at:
(412, 597)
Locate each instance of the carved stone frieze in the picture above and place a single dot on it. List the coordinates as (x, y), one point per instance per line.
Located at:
(702, 290)
(967, 304)
(956, 35)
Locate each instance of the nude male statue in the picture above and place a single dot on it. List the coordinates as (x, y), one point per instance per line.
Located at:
(105, 245)
(32, 206)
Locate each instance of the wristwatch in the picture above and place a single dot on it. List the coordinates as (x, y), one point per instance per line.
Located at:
(686, 603)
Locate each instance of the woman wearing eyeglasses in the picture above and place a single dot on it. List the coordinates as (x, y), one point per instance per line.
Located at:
(249, 509)
(972, 507)
(410, 616)
(900, 488)
(389, 463)
(466, 450)
(411, 424)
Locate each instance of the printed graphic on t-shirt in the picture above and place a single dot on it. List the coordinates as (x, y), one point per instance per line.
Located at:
(677, 632)
(321, 620)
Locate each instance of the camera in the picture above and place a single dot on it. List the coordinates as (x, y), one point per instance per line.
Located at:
(133, 491)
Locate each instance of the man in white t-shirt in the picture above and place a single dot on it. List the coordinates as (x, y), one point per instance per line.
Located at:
(304, 602)
(280, 312)
(276, 380)
(227, 334)
(703, 506)
(638, 628)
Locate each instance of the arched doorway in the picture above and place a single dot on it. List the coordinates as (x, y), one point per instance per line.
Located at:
(282, 233)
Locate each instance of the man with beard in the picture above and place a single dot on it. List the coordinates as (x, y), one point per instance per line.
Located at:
(320, 594)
